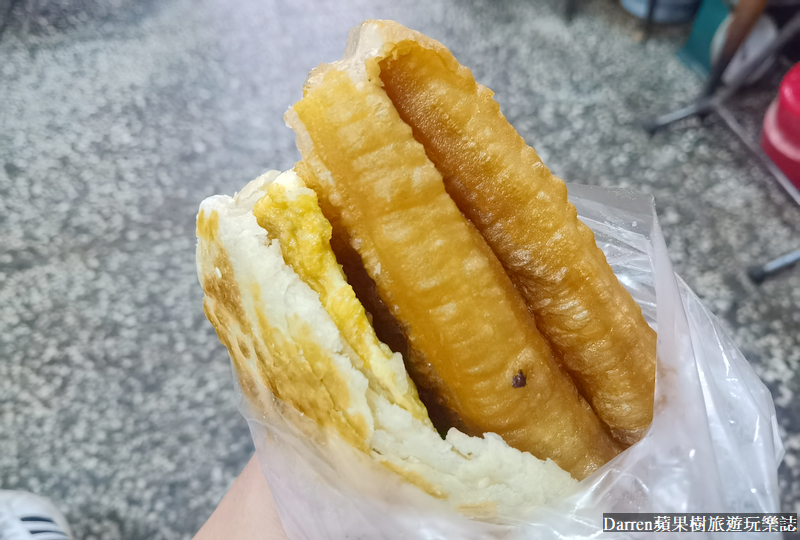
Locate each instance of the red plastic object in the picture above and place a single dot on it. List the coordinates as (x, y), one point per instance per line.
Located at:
(781, 136)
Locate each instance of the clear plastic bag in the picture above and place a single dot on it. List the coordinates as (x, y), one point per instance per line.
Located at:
(713, 445)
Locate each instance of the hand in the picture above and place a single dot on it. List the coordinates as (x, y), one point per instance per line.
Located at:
(247, 512)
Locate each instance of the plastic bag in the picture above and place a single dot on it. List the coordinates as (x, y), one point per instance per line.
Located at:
(713, 445)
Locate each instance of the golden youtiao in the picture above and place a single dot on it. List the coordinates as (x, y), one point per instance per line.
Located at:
(521, 209)
(474, 341)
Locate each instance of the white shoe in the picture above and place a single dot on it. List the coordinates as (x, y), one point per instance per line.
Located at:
(25, 516)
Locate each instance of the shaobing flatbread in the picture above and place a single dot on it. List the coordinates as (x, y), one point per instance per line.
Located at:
(284, 343)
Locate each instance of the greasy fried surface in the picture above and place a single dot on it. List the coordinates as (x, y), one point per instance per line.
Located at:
(522, 211)
(461, 314)
(386, 327)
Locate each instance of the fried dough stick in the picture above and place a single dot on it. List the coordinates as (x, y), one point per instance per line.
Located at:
(461, 314)
(521, 209)
(386, 327)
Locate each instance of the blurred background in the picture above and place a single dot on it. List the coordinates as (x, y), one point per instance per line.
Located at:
(117, 117)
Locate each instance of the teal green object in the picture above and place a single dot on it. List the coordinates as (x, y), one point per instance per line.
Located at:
(696, 54)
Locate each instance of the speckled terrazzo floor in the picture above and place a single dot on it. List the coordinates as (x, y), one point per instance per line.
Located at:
(115, 121)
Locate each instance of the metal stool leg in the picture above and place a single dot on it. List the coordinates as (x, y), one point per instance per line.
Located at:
(648, 20)
(570, 7)
(759, 273)
(706, 104)
(700, 107)
(745, 17)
